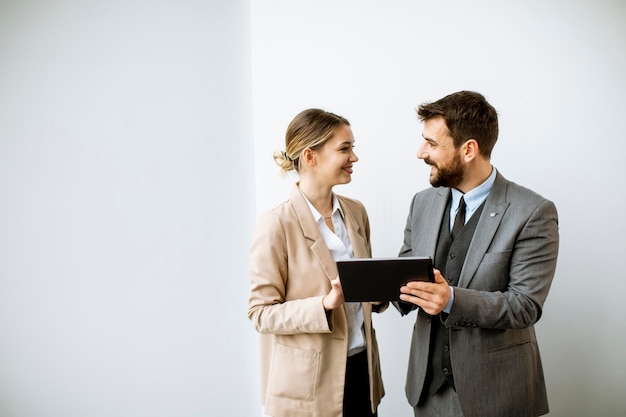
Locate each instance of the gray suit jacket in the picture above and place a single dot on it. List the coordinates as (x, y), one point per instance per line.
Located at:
(502, 287)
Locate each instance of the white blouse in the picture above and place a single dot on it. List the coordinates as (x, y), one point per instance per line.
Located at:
(341, 248)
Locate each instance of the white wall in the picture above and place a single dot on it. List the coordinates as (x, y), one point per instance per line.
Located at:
(126, 208)
(555, 72)
(127, 194)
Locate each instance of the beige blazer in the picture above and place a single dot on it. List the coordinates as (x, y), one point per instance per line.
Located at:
(304, 350)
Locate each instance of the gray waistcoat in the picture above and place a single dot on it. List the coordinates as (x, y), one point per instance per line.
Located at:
(449, 259)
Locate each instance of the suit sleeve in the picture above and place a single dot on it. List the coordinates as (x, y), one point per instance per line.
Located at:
(520, 278)
(268, 308)
(406, 250)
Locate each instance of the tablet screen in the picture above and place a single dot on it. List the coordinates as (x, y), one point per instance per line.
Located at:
(380, 279)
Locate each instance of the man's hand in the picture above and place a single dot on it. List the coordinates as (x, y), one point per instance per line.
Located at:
(430, 297)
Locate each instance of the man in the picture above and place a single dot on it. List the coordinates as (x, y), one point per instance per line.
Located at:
(474, 351)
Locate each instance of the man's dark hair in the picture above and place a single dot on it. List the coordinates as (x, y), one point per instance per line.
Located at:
(468, 115)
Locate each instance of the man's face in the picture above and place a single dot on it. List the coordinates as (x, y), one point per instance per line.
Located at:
(446, 166)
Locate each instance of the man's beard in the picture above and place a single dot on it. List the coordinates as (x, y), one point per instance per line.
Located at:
(447, 176)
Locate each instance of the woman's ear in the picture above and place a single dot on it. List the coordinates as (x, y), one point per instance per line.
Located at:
(308, 157)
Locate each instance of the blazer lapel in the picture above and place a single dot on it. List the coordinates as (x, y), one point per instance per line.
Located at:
(490, 218)
(359, 245)
(311, 231)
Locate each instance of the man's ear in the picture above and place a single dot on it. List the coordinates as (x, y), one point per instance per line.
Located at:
(470, 150)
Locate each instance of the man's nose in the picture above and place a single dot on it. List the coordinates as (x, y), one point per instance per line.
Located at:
(421, 151)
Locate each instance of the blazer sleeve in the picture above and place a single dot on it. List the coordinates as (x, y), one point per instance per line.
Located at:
(268, 308)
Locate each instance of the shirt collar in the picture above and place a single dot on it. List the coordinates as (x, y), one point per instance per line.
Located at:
(475, 197)
(316, 214)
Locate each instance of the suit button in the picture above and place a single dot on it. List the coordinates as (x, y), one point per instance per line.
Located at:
(446, 349)
(446, 371)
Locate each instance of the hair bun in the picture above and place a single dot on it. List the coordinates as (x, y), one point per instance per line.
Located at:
(287, 157)
(284, 161)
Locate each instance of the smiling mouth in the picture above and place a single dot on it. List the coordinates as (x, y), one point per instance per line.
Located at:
(431, 164)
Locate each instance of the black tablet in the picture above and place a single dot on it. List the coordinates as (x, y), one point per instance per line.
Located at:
(380, 279)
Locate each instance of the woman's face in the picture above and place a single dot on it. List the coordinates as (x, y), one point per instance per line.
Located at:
(335, 158)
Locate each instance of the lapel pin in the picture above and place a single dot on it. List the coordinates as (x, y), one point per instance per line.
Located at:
(493, 214)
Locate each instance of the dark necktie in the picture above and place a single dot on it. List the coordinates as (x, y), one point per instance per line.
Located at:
(459, 219)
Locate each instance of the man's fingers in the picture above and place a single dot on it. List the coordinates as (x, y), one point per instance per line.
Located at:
(438, 277)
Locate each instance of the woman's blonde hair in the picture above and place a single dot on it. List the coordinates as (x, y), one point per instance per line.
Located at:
(311, 128)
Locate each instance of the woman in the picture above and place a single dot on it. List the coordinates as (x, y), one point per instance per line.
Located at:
(319, 355)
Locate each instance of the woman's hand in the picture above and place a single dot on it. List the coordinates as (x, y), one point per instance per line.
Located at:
(334, 298)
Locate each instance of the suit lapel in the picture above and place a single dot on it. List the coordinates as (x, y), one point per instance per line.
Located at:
(490, 218)
(428, 225)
